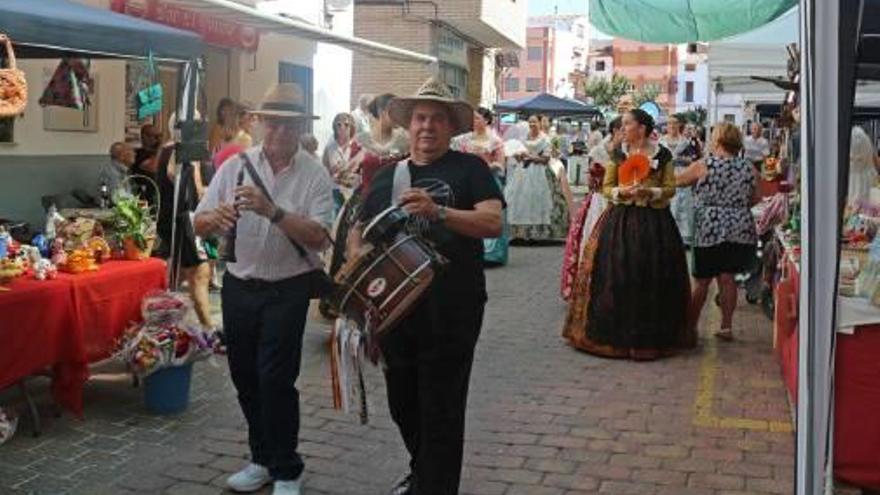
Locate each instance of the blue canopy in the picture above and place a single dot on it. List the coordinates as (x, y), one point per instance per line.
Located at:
(67, 26)
(548, 104)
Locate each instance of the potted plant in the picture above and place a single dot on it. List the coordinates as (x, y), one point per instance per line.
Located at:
(134, 226)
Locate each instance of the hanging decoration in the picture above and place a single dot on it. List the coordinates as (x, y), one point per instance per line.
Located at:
(13, 84)
(71, 86)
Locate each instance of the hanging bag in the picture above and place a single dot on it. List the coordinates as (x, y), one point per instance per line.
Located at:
(149, 99)
(13, 85)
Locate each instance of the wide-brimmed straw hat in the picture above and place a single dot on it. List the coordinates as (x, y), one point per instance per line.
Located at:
(462, 114)
(284, 100)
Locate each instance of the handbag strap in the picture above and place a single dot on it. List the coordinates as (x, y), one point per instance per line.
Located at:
(402, 181)
(10, 54)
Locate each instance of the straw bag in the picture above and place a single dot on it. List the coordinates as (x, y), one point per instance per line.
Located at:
(13, 85)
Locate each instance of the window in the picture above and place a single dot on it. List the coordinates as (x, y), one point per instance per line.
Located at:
(600, 66)
(301, 75)
(536, 53)
(511, 84)
(692, 48)
(729, 117)
(456, 78)
(690, 67)
(7, 130)
(689, 91)
(533, 84)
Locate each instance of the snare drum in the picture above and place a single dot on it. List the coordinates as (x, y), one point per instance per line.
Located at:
(380, 288)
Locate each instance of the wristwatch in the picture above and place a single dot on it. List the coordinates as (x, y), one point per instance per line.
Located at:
(278, 215)
(441, 214)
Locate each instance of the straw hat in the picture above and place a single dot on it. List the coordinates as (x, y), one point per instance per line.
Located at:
(284, 100)
(462, 114)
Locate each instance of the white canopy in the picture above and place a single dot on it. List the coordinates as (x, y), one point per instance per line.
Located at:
(761, 52)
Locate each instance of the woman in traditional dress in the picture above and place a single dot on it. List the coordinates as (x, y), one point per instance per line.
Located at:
(591, 209)
(725, 238)
(684, 151)
(537, 207)
(635, 264)
(485, 143)
(384, 145)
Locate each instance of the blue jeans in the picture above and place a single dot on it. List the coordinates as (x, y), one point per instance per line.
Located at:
(264, 324)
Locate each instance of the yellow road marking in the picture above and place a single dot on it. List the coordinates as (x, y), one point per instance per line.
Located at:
(704, 416)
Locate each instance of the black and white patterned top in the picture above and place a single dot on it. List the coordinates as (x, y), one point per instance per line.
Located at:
(722, 203)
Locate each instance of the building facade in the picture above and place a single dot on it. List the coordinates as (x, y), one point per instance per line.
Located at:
(464, 35)
(649, 65)
(554, 59)
(693, 77)
(241, 62)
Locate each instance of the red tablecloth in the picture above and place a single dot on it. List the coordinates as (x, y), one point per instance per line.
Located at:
(856, 394)
(62, 325)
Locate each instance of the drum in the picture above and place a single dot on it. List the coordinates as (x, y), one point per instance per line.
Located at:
(381, 287)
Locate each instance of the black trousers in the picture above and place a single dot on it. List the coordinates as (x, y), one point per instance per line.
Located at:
(264, 324)
(428, 366)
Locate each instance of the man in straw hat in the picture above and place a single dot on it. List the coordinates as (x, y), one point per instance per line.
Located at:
(266, 290)
(455, 203)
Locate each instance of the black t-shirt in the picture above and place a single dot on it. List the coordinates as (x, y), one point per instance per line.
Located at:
(456, 180)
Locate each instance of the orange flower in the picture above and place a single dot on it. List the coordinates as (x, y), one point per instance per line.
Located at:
(635, 169)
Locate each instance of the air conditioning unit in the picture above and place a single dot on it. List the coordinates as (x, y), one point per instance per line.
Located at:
(337, 5)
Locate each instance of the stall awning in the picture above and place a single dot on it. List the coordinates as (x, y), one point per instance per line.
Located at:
(683, 21)
(551, 105)
(68, 26)
(272, 23)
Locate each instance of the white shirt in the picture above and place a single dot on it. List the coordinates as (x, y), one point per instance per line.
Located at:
(262, 250)
(756, 149)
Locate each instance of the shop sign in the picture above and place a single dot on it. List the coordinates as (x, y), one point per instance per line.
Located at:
(212, 29)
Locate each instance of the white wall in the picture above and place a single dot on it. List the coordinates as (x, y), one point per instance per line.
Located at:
(254, 73)
(32, 139)
(332, 69)
(700, 78)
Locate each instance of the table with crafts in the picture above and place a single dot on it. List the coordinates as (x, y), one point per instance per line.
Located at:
(60, 326)
(856, 372)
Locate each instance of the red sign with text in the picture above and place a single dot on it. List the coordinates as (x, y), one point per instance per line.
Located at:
(212, 29)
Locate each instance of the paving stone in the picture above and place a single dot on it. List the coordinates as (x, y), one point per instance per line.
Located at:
(542, 418)
(195, 474)
(186, 488)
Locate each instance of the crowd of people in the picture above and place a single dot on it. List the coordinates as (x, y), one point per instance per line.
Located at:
(664, 216)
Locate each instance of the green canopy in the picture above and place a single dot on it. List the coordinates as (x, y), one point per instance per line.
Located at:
(683, 21)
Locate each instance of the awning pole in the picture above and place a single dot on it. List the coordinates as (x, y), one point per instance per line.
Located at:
(820, 119)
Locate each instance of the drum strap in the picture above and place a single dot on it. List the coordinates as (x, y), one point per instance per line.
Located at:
(402, 181)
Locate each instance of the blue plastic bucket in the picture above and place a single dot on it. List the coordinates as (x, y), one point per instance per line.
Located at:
(167, 390)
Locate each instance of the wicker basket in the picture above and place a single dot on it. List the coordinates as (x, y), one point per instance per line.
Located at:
(13, 85)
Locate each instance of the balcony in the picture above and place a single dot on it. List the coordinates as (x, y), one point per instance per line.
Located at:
(492, 23)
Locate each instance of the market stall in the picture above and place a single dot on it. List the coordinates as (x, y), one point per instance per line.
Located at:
(68, 293)
(62, 325)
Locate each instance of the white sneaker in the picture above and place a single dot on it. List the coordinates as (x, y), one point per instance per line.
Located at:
(249, 479)
(287, 487)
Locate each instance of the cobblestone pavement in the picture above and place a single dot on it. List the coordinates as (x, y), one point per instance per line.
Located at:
(543, 418)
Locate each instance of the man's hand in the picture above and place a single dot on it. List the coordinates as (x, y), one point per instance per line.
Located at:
(419, 202)
(249, 198)
(222, 218)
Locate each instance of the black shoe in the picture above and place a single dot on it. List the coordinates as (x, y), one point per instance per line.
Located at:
(403, 486)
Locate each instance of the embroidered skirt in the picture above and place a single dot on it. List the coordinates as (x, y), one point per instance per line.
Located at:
(633, 290)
